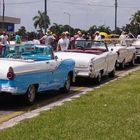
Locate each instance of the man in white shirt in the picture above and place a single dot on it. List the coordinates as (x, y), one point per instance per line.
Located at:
(97, 36)
(62, 43)
(4, 38)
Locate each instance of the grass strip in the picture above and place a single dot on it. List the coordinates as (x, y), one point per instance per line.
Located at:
(111, 112)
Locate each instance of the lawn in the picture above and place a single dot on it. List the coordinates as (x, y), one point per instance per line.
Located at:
(111, 112)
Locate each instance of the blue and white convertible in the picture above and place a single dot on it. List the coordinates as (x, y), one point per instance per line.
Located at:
(31, 69)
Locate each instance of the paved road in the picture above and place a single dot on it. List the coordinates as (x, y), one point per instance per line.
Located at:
(13, 106)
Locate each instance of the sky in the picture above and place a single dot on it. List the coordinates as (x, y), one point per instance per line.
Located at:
(79, 14)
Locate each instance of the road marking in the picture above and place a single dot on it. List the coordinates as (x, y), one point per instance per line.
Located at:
(10, 115)
(17, 113)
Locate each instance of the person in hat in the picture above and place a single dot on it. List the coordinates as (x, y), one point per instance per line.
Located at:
(48, 38)
(123, 38)
(97, 36)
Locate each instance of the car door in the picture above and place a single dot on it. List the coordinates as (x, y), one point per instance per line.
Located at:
(111, 60)
(130, 53)
(56, 73)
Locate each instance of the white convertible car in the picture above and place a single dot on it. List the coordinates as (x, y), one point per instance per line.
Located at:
(92, 59)
(126, 54)
(136, 44)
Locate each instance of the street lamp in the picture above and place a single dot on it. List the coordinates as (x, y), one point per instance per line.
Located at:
(69, 15)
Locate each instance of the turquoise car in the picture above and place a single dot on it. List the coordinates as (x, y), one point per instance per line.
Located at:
(31, 69)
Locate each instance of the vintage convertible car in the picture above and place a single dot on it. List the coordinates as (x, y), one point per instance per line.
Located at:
(92, 59)
(126, 54)
(27, 70)
(136, 44)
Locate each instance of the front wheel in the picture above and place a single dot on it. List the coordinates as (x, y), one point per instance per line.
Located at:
(122, 65)
(112, 73)
(66, 87)
(30, 94)
(132, 62)
(98, 78)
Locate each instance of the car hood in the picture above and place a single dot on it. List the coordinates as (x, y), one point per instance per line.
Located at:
(81, 59)
(115, 48)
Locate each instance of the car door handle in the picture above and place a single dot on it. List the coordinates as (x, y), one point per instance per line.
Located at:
(47, 62)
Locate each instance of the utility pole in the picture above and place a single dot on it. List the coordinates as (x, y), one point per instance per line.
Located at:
(3, 15)
(116, 6)
(45, 11)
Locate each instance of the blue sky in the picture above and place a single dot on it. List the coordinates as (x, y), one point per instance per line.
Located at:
(83, 13)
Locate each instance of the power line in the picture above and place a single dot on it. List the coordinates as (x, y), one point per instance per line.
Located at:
(82, 4)
(89, 4)
(72, 3)
(18, 3)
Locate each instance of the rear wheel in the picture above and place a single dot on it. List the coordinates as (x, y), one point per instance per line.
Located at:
(30, 94)
(66, 87)
(98, 78)
(122, 65)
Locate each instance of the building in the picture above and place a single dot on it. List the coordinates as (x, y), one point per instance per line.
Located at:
(9, 23)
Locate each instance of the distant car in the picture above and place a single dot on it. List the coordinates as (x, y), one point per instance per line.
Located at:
(32, 69)
(92, 59)
(126, 54)
(136, 44)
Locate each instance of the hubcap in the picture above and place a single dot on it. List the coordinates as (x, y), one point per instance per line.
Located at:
(68, 83)
(31, 94)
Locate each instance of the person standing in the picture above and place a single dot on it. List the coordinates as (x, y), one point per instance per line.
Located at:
(62, 43)
(17, 39)
(97, 36)
(4, 38)
(123, 38)
(48, 38)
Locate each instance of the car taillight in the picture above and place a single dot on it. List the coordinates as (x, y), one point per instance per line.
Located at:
(10, 74)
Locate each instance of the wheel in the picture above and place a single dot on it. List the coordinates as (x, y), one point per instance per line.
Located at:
(132, 62)
(122, 65)
(30, 94)
(98, 78)
(112, 73)
(66, 87)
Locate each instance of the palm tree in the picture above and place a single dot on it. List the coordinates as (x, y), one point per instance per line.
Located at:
(40, 20)
(135, 19)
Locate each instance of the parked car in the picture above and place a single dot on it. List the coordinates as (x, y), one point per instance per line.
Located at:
(32, 69)
(92, 59)
(126, 54)
(136, 44)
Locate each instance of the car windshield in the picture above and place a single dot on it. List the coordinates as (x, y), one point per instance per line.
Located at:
(87, 44)
(29, 51)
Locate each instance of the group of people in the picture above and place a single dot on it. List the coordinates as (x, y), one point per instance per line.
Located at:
(4, 38)
(66, 41)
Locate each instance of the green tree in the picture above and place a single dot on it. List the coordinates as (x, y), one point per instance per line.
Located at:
(40, 20)
(135, 19)
(22, 31)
